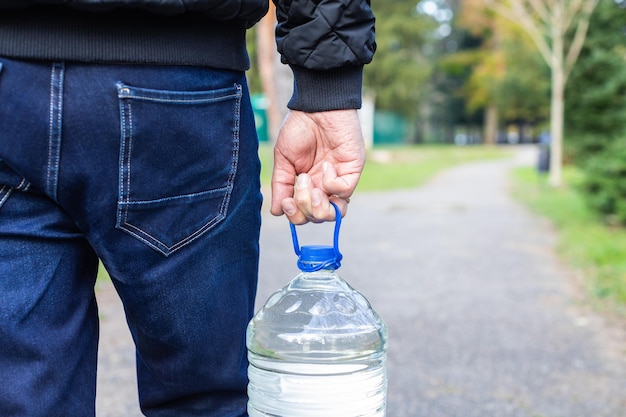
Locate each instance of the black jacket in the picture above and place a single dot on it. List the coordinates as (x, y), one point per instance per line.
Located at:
(326, 42)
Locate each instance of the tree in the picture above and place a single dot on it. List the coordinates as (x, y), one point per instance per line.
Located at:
(276, 77)
(596, 101)
(505, 76)
(400, 68)
(558, 28)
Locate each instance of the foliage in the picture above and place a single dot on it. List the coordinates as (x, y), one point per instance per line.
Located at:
(598, 252)
(605, 181)
(502, 69)
(596, 112)
(524, 90)
(400, 67)
(596, 94)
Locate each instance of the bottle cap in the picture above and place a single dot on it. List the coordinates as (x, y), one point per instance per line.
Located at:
(316, 257)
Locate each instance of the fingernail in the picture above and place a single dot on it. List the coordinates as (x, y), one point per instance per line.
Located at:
(289, 208)
(302, 181)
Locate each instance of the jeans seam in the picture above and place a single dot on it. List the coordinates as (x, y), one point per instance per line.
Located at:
(124, 180)
(235, 154)
(54, 134)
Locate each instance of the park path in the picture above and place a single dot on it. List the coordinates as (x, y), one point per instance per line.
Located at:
(484, 320)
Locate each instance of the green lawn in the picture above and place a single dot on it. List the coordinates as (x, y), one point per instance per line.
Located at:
(596, 250)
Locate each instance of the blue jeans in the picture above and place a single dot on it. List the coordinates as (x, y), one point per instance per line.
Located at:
(155, 171)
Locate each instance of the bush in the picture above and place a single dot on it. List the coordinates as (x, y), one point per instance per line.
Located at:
(578, 148)
(605, 181)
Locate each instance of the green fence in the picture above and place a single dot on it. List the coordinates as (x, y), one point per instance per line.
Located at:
(389, 128)
(259, 106)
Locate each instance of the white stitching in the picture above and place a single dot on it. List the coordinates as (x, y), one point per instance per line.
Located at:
(166, 100)
(51, 123)
(54, 134)
(6, 195)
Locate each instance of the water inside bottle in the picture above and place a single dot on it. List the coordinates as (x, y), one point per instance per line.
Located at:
(292, 389)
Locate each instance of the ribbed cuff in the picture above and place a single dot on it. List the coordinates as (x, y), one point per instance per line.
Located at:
(335, 89)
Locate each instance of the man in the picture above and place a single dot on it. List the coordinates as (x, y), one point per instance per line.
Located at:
(126, 134)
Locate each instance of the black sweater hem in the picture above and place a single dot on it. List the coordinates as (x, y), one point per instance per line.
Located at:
(123, 37)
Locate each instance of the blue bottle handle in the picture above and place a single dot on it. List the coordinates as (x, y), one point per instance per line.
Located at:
(338, 255)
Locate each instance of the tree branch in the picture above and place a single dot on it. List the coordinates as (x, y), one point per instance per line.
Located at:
(541, 10)
(519, 14)
(571, 12)
(579, 37)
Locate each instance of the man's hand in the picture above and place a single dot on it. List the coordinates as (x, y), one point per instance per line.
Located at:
(325, 151)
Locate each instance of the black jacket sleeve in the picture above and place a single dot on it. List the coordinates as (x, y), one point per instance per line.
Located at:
(326, 43)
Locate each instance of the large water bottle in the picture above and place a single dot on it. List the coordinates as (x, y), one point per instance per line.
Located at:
(317, 348)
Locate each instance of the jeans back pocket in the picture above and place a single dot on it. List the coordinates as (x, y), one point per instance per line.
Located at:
(178, 159)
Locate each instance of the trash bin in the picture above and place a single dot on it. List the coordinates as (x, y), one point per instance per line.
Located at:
(543, 164)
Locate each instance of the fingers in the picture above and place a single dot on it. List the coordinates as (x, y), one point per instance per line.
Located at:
(340, 186)
(311, 204)
(283, 177)
(281, 191)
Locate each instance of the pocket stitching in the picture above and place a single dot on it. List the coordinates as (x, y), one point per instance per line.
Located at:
(5, 193)
(138, 232)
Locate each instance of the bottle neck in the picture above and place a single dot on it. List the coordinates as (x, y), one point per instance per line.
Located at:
(320, 274)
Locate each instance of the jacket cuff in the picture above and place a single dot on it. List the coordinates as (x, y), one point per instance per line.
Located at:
(325, 90)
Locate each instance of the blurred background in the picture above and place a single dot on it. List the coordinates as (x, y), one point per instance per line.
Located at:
(458, 80)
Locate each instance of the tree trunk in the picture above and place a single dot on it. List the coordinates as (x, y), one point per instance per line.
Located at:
(491, 124)
(557, 112)
(556, 128)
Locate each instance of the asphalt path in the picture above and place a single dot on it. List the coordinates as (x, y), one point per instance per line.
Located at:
(484, 319)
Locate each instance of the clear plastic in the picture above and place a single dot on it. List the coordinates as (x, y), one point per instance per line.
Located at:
(317, 349)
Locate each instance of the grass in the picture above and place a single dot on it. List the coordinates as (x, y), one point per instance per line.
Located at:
(595, 249)
(397, 167)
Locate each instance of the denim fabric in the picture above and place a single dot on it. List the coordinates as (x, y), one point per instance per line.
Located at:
(154, 170)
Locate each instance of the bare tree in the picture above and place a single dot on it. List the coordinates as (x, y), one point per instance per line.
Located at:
(558, 28)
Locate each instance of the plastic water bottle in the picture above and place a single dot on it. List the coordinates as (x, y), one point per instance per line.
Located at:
(317, 348)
